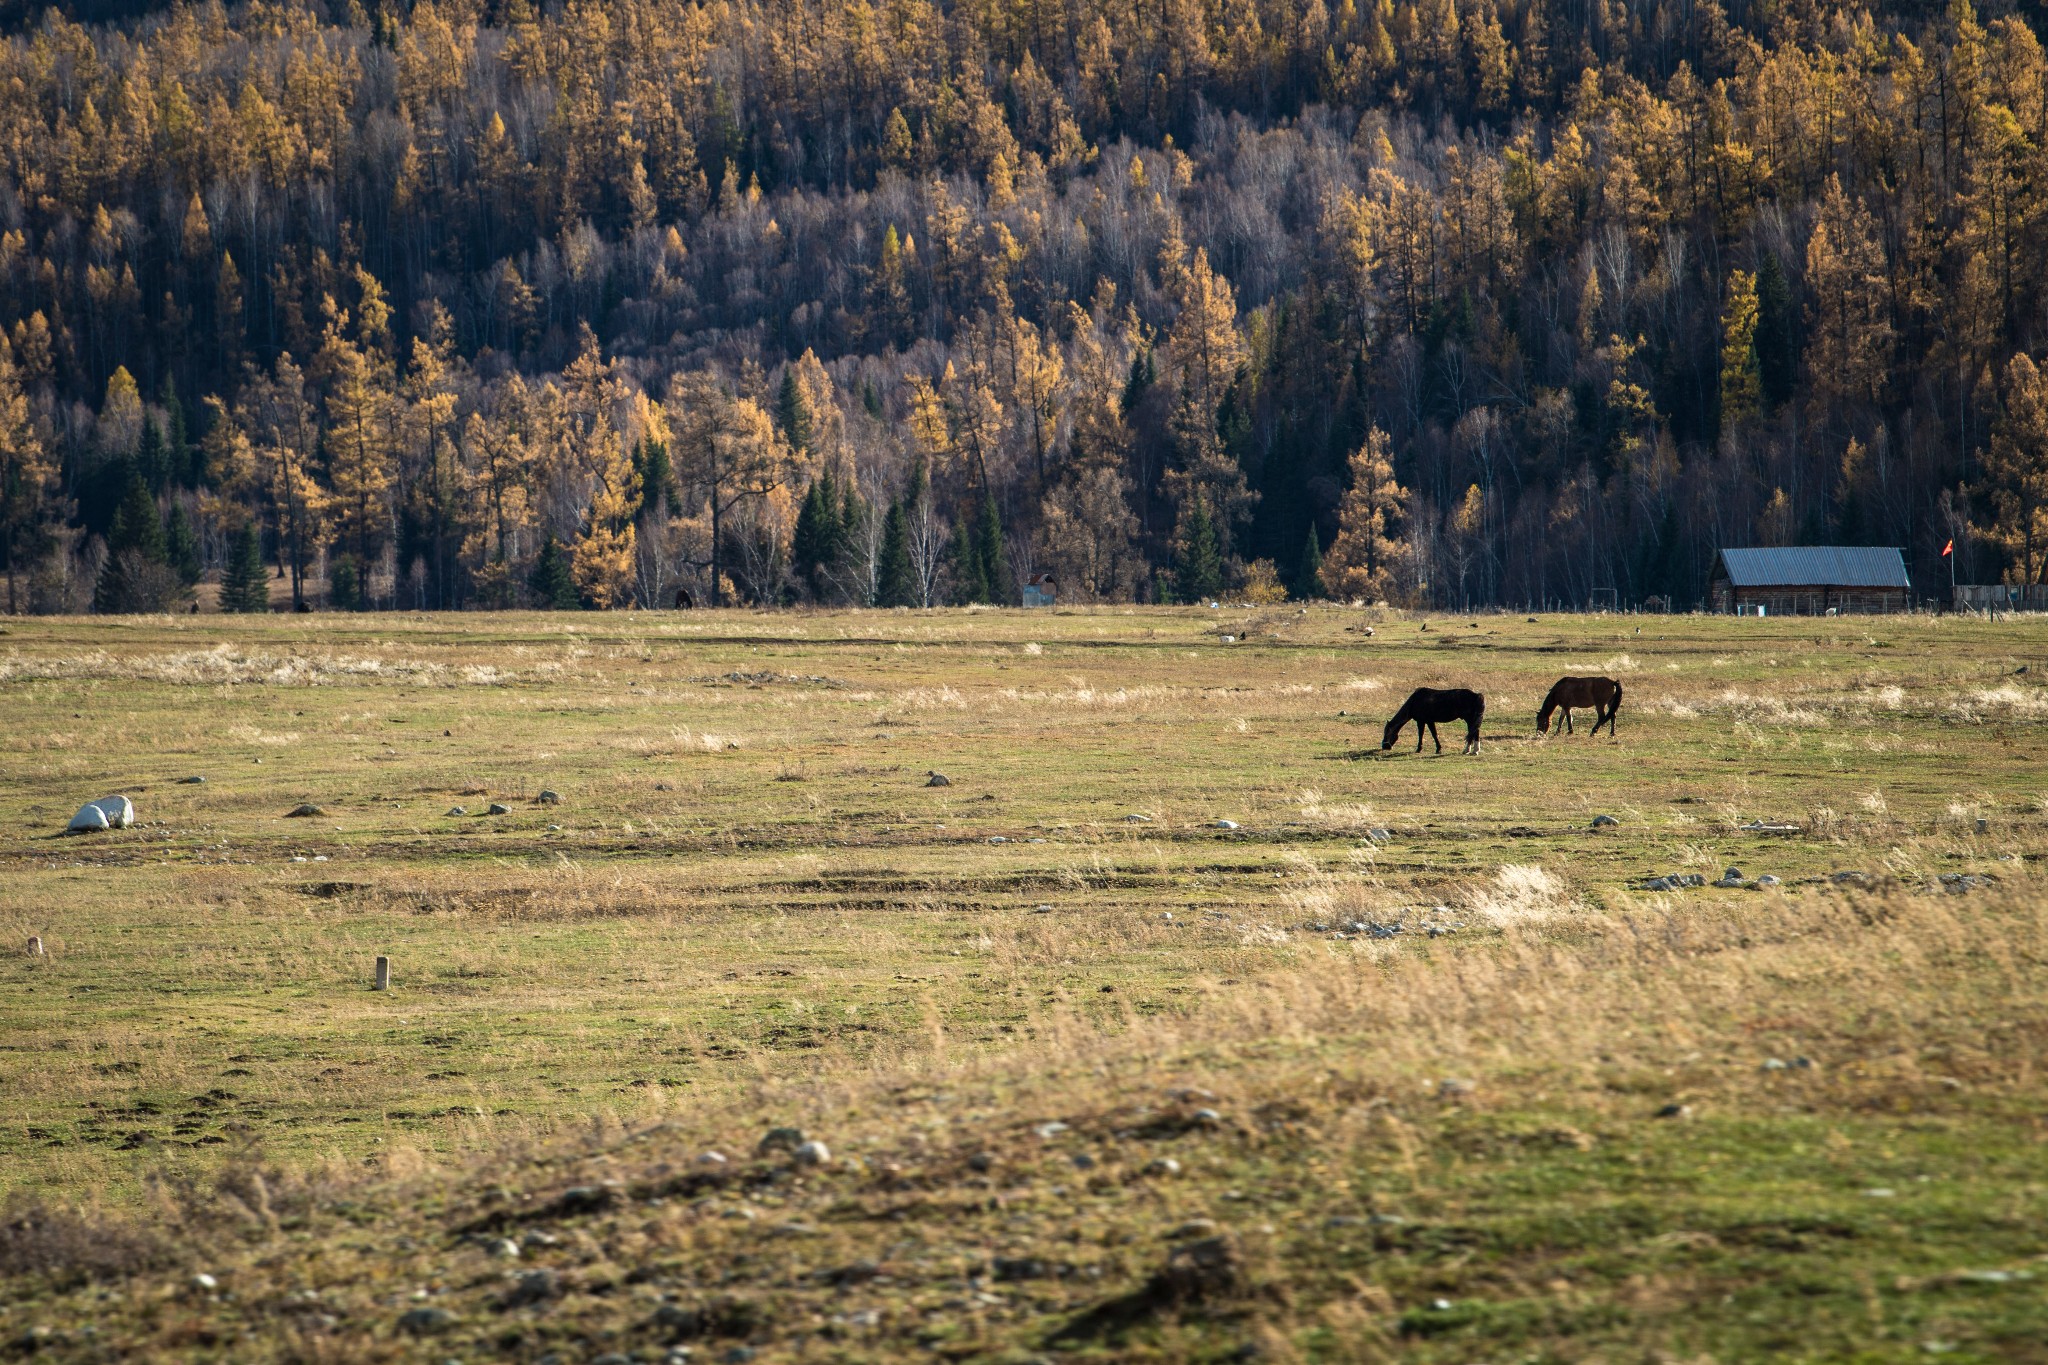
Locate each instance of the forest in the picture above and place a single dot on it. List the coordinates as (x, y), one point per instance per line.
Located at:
(630, 303)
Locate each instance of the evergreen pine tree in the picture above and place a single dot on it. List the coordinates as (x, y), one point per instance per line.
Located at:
(896, 584)
(345, 584)
(181, 544)
(135, 576)
(793, 412)
(970, 578)
(817, 547)
(657, 476)
(1308, 581)
(151, 458)
(851, 531)
(552, 582)
(1140, 378)
(1777, 354)
(1198, 555)
(988, 548)
(186, 461)
(243, 586)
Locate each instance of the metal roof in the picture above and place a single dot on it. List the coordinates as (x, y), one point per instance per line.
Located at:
(1816, 566)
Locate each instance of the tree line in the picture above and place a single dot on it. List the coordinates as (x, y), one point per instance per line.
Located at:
(1453, 302)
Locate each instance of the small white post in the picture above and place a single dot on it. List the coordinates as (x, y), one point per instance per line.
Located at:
(383, 974)
(35, 945)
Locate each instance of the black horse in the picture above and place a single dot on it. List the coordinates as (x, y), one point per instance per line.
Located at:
(1427, 706)
(1602, 694)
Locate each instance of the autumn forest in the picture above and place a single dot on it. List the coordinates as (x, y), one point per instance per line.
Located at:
(617, 303)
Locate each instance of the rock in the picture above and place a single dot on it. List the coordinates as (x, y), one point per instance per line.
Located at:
(1137, 819)
(664, 786)
(548, 798)
(780, 1140)
(679, 1321)
(1962, 881)
(612, 1358)
(504, 1249)
(307, 811)
(191, 781)
(1379, 836)
(1164, 1165)
(205, 1283)
(498, 808)
(1194, 1227)
(119, 810)
(1207, 1118)
(982, 1161)
(737, 1355)
(712, 1159)
(1733, 874)
(1675, 1111)
(1223, 824)
(1456, 1087)
(1014, 1269)
(1207, 1269)
(457, 810)
(1050, 1130)
(89, 817)
(936, 778)
(426, 1322)
(1861, 880)
(535, 1286)
(812, 1153)
(1604, 822)
(1772, 1064)
(1767, 880)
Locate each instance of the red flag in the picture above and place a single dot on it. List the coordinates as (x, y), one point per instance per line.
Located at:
(1948, 549)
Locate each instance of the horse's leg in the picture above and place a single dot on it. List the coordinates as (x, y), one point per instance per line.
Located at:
(1435, 736)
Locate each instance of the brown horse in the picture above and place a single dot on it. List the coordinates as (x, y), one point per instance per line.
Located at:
(1602, 694)
(1426, 706)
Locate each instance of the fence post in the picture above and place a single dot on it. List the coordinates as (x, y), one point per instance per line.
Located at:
(35, 945)
(383, 974)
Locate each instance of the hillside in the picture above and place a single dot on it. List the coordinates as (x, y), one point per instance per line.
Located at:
(1448, 302)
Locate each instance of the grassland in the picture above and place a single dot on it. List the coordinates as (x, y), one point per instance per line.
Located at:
(1396, 1031)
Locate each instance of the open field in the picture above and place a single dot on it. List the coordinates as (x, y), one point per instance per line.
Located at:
(1399, 1033)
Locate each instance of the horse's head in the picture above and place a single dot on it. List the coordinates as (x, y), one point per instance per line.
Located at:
(1543, 723)
(1393, 732)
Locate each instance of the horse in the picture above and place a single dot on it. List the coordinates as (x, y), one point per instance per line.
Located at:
(1426, 706)
(1602, 694)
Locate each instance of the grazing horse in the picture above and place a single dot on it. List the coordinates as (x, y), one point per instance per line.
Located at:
(1426, 706)
(1602, 694)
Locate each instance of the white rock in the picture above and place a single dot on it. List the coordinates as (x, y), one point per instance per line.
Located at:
(119, 810)
(812, 1153)
(89, 817)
